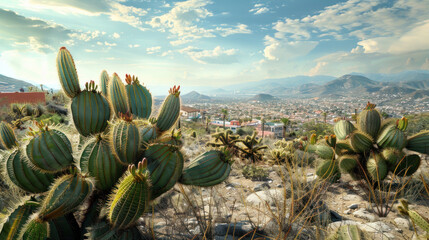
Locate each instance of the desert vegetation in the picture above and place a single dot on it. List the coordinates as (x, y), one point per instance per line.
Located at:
(97, 163)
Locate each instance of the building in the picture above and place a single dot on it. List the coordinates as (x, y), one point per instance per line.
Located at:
(189, 112)
(22, 97)
(234, 125)
(274, 130)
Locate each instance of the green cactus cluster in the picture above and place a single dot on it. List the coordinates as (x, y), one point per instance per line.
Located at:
(286, 151)
(416, 218)
(371, 148)
(124, 160)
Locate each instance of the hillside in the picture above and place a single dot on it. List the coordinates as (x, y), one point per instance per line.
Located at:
(8, 84)
(262, 97)
(195, 96)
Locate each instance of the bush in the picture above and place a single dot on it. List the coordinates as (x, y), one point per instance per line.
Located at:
(255, 173)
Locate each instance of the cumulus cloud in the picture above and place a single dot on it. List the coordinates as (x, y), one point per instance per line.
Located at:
(113, 8)
(116, 35)
(259, 9)
(86, 36)
(153, 50)
(183, 21)
(216, 56)
(29, 33)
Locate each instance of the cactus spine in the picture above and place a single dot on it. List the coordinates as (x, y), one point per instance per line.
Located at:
(126, 140)
(16, 220)
(139, 97)
(118, 96)
(104, 82)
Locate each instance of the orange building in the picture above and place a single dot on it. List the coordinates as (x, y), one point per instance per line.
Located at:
(22, 97)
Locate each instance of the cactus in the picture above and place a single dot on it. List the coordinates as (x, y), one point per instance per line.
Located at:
(66, 194)
(343, 128)
(118, 96)
(67, 73)
(170, 110)
(24, 176)
(208, 169)
(140, 99)
(417, 218)
(348, 232)
(99, 162)
(251, 148)
(328, 169)
(104, 82)
(43, 165)
(374, 150)
(50, 150)
(131, 197)
(90, 111)
(7, 136)
(165, 167)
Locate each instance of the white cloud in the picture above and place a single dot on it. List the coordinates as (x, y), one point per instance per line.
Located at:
(116, 35)
(216, 56)
(316, 70)
(134, 45)
(86, 36)
(282, 49)
(113, 8)
(153, 50)
(259, 9)
(240, 28)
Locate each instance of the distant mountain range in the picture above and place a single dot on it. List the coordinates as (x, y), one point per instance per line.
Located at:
(8, 84)
(414, 84)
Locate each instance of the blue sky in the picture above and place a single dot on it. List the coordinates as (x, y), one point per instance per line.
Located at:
(212, 43)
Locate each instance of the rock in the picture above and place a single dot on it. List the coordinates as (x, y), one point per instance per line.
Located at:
(238, 229)
(376, 227)
(352, 197)
(402, 223)
(233, 185)
(348, 211)
(261, 186)
(335, 217)
(335, 225)
(353, 206)
(258, 199)
(279, 185)
(364, 214)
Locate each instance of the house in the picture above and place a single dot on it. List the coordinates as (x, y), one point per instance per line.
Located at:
(8, 98)
(189, 112)
(234, 125)
(274, 130)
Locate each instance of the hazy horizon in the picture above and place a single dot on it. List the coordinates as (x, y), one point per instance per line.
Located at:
(212, 43)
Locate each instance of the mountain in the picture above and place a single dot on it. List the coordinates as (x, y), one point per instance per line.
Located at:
(8, 84)
(262, 97)
(192, 96)
(405, 76)
(277, 86)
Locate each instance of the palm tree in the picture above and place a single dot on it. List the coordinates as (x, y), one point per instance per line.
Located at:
(285, 122)
(324, 116)
(224, 113)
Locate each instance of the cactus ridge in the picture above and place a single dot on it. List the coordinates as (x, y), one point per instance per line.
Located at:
(21, 174)
(7, 136)
(408, 165)
(118, 96)
(208, 169)
(90, 111)
(343, 128)
(130, 198)
(391, 136)
(348, 162)
(126, 142)
(369, 120)
(104, 82)
(360, 141)
(377, 167)
(170, 110)
(36, 229)
(165, 167)
(419, 142)
(98, 160)
(140, 99)
(66, 194)
(17, 219)
(67, 73)
(50, 151)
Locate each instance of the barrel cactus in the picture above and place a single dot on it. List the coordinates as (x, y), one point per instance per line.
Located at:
(115, 130)
(372, 149)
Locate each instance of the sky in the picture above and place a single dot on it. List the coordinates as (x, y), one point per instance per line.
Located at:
(212, 43)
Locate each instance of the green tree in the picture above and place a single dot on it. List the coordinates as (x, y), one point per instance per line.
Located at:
(224, 114)
(285, 122)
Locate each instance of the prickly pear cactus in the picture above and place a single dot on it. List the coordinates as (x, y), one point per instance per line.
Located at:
(372, 149)
(417, 218)
(115, 131)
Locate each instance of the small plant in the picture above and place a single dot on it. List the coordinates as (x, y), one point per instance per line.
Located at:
(251, 148)
(416, 218)
(255, 173)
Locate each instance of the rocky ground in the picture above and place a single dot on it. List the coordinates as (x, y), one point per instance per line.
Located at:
(255, 209)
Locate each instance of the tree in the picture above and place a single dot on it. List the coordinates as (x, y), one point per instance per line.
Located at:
(224, 114)
(324, 116)
(285, 122)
